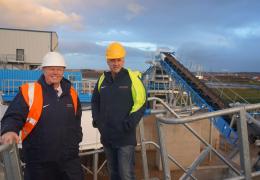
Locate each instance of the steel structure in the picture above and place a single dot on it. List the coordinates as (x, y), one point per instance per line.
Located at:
(159, 84)
(200, 94)
(11, 162)
(245, 172)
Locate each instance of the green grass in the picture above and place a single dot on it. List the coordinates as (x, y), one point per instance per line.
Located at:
(232, 79)
(250, 95)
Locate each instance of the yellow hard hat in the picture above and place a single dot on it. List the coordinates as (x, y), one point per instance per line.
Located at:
(115, 51)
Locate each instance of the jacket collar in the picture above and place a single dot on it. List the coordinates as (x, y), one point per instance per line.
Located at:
(121, 73)
(65, 85)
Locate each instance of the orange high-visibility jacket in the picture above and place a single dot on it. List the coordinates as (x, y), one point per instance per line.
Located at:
(32, 94)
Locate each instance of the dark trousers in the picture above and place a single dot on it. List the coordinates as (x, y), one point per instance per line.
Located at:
(69, 170)
(121, 162)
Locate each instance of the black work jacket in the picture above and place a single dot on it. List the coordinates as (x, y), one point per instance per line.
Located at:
(57, 134)
(111, 108)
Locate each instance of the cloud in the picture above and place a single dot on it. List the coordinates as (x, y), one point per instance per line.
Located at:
(82, 47)
(217, 34)
(143, 46)
(247, 31)
(114, 32)
(85, 61)
(243, 56)
(33, 14)
(134, 49)
(134, 9)
(92, 55)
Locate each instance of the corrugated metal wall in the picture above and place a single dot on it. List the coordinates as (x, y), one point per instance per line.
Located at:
(34, 74)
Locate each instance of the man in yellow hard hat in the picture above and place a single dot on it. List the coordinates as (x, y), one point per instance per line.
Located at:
(118, 103)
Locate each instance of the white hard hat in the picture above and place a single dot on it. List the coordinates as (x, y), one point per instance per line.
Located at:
(53, 59)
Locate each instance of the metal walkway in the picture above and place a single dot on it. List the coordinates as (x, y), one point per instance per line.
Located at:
(243, 172)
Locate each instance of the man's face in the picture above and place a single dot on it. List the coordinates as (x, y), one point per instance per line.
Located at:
(115, 65)
(53, 74)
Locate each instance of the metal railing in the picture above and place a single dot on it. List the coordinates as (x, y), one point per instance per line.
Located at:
(96, 168)
(84, 86)
(10, 87)
(245, 171)
(145, 142)
(11, 162)
(12, 57)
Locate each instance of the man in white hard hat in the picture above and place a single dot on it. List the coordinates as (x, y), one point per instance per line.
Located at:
(47, 115)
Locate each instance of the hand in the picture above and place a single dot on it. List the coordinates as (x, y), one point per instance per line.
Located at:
(9, 138)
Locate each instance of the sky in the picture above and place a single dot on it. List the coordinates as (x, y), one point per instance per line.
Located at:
(207, 35)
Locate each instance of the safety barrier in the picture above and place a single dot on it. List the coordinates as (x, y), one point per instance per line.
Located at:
(244, 173)
(10, 87)
(11, 80)
(11, 162)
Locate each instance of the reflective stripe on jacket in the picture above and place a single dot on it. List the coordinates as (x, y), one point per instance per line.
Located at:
(32, 94)
(137, 89)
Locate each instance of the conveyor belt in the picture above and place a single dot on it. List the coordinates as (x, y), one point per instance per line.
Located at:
(203, 96)
(206, 93)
